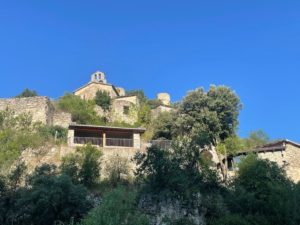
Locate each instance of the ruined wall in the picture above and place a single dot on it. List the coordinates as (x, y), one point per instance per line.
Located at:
(62, 119)
(40, 108)
(118, 112)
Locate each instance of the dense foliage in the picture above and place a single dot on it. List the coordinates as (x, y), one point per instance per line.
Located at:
(118, 208)
(18, 132)
(82, 111)
(103, 100)
(260, 194)
(83, 166)
(46, 198)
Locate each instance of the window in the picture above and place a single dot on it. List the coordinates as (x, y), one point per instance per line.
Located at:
(125, 110)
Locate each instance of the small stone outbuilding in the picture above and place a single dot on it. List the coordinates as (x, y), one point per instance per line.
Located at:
(285, 153)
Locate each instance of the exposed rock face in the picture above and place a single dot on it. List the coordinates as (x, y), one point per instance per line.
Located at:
(53, 155)
(160, 210)
(44, 155)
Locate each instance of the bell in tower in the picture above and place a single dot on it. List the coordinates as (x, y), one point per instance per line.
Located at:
(98, 77)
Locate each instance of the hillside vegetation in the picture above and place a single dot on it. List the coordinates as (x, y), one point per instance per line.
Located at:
(75, 193)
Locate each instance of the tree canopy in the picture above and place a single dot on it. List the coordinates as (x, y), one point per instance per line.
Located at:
(103, 100)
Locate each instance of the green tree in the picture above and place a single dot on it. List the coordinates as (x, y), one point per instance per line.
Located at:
(118, 207)
(17, 133)
(208, 117)
(176, 172)
(261, 189)
(117, 169)
(256, 139)
(163, 125)
(27, 93)
(103, 100)
(82, 111)
(51, 198)
(84, 166)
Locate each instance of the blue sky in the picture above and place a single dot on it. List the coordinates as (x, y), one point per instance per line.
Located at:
(172, 46)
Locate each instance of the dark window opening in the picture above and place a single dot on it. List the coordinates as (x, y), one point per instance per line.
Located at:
(126, 110)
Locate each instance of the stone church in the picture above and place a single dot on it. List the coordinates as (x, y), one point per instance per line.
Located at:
(123, 108)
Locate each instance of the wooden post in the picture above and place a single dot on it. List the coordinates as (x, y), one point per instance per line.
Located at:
(104, 139)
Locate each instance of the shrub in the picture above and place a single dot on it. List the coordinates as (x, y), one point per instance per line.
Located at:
(232, 220)
(178, 172)
(118, 207)
(27, 93)
(17, 133)
(84, 166)
(162, 126)
(116, 169)
(57, 132)
(262, 189)
(82, 111)
(45, 199)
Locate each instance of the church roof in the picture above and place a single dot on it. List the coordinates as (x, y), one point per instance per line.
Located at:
(93, 82)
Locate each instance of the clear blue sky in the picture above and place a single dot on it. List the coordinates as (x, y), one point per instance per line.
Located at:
(173, 46)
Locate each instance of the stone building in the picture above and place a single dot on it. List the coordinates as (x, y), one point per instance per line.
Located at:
(98, 82)
(123, 108)
(40, 108)
(285, 153)
(165, 105)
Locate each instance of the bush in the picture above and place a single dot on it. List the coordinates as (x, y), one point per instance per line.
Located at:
(27, 93)
(117, 169)
(232, 220)
(57, 132)
(45, 199)
(82, 111)
(103, 100)
(162, 126)
(177, 172)
(262, 190)
(17, 133)
(118, 207)
(84, 166)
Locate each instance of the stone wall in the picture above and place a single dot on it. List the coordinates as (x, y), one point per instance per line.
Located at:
(118, 113)
(62, 119)
(274, 156)
(292, 157)
(40, 108)
(288, 158)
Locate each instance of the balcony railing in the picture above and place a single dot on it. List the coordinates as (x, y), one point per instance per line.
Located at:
(88, 140)
(121, 142)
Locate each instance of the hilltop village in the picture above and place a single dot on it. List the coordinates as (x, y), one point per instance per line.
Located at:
(122, 133)
(162, 163)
